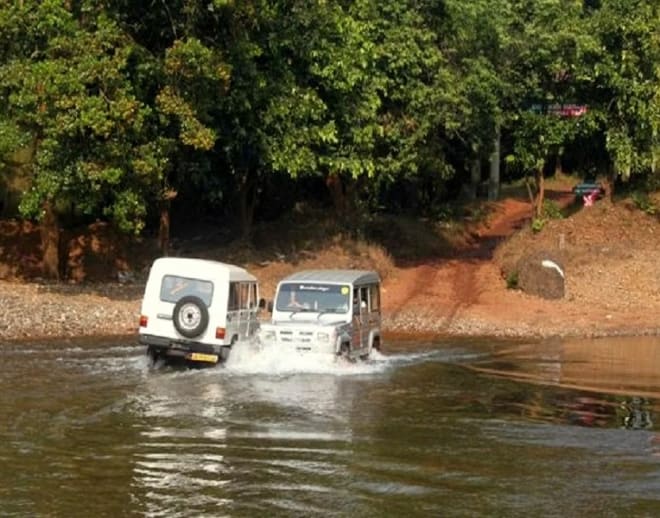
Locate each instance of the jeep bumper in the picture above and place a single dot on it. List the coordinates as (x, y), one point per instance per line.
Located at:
(167, 348)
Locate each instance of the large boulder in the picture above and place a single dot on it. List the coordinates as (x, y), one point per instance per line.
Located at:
(542, 274)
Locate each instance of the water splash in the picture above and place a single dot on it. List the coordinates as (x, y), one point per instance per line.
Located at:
(248, 358)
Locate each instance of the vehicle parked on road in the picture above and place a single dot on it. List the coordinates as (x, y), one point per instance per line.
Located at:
(197, 309)
(335, 312)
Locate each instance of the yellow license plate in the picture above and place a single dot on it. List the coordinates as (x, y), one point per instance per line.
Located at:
(201, 357)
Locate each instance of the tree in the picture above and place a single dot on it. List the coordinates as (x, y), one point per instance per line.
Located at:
(195, 79)
(475, 36)
(365, 101)
(218, 69)
(65, 87)
(625, 83)
(547, 50)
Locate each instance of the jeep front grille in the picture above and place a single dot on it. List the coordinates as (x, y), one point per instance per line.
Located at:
(296, 336)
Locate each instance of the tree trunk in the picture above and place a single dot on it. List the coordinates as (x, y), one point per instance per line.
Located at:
(247, 199)
(530, 190)
(343, 192)
(164, 224)
(50, 242)
(336, 187)
(609, 184)
(559, 169)
(475, 178)
(540, 193)
(494, 178)
(164, 228)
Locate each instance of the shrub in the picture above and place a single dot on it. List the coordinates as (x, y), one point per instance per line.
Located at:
(551, 210)
(644, 203)
(538, 224)
(512, 280)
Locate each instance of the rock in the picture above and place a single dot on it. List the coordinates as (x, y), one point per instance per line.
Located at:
(542, 274)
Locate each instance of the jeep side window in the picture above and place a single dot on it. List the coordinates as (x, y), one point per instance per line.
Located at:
(374, 297)
(244, 299)
(364, 298)
(233, 302)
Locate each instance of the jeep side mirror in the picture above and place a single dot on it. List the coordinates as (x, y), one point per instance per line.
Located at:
(270, 306)
(262, 303)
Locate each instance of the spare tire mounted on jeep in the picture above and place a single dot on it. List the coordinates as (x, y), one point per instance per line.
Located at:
(190, 316)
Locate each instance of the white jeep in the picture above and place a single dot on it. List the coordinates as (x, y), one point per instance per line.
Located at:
(331, 312)
(197, 309)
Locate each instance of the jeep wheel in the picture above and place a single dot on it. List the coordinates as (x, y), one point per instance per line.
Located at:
(375, 346)
(190, 316)
(345, 352)
(224, 353)
(152, 354)
(226, 349)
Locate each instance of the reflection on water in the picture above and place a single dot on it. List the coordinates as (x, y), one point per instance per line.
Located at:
(460, 429)
(607, 364)
(615, 381)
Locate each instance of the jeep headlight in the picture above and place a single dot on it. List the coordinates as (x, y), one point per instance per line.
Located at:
(323, 337)
(267, 335)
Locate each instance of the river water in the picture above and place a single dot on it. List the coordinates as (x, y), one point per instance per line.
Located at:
(447, 428)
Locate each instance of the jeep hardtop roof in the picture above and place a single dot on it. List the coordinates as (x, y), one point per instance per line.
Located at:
(334, 276)
(195, 267)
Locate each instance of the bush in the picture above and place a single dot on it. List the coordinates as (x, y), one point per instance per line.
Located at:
(512, 280)
(538, 224)
(551, 210)
(644, 203)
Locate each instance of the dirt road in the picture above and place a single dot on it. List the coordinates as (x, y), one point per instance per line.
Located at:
(467, 294)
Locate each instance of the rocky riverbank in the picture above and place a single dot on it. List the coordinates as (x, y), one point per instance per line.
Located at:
(609, 253)
(32, 310)
(38, 311)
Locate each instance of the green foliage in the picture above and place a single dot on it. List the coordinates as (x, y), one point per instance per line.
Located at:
(196, 78)
(538, 224)
(624, 82)
(476, 37)
(551, 210)
(644, 203)
(64, 85)
(192, 132)
(128, 212)
(11, 138)
(126, 101)
(367, 94)
(512, 280)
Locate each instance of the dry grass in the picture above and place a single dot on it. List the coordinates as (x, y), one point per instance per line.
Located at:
(590, 235)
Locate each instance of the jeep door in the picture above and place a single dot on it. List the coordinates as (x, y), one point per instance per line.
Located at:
(233, 312)
(374, 316)
(253, 309)
(365, 314)
(360, 329)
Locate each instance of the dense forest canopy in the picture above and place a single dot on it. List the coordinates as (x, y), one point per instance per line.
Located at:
(139, 113)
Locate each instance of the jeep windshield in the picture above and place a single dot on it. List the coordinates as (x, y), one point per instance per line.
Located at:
(313, 297)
